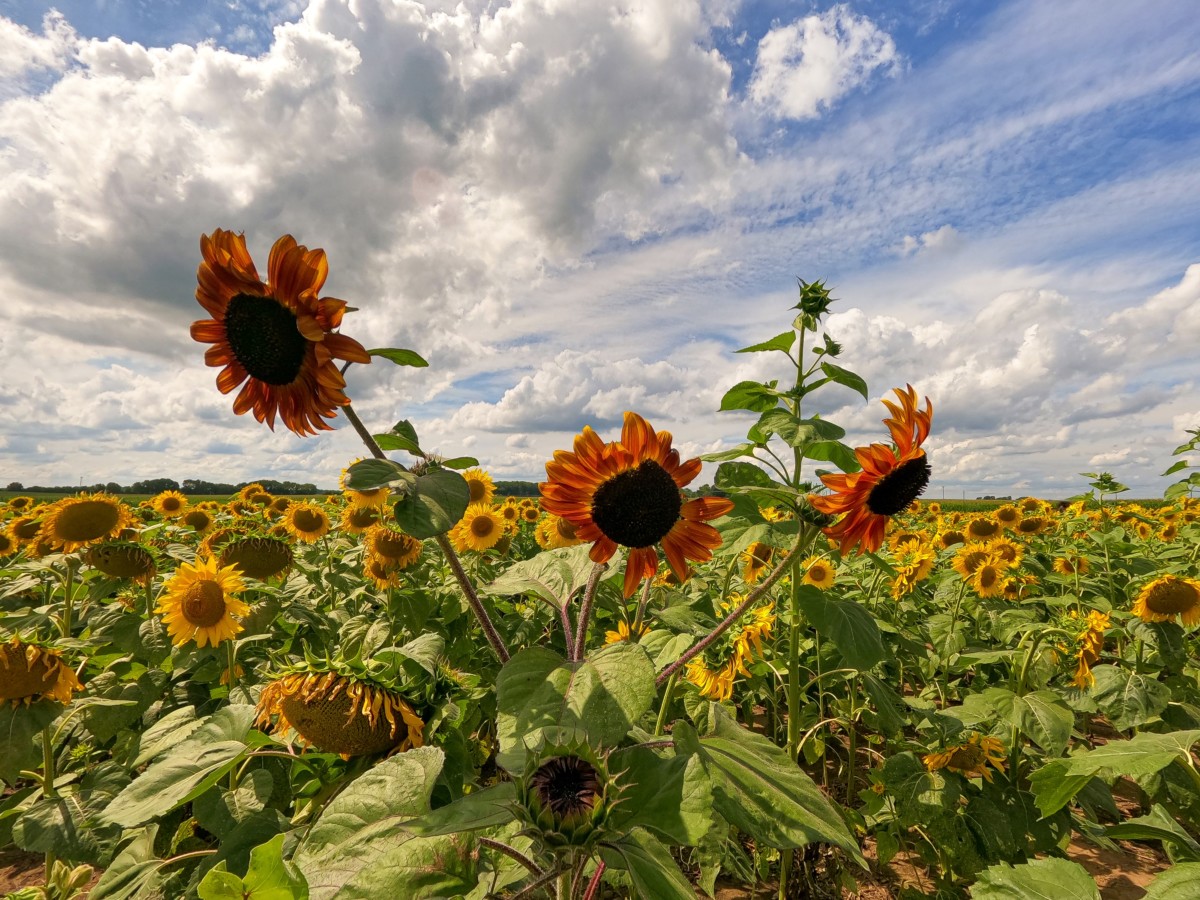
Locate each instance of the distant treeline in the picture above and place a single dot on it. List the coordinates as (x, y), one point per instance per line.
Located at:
(187, 486)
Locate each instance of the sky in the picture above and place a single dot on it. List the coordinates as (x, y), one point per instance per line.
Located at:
(572, 209)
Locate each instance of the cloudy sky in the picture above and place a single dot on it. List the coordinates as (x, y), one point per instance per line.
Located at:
(576, 208)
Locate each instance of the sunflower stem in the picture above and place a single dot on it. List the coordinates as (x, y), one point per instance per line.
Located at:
(793, 682)
(468, 589)
(661, 723)
(594, 884)
(636, 631)
(513, 853)
(564, 616)
(736, 613)
(68, 598)
(536, 885)
(585, 609)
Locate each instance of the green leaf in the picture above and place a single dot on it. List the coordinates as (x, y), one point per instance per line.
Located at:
(418, 867)
(1178, 466)
(651, 868)
(845, 377)
(268, 878)
(459, 462)
(599, 698)
(725, 455)
(1176, 883)
(133, 869)
(221, 811)
(20, 736)
(1159, 825)
(835, 452)
(1129, 699)
(782, 342)
(170, 731)
(670, 796)
(368, 474)
(849, 625)
(426, 651)
(1040, 879)
(403, 436)
(400, 357)
(740, 474)
(172, 781)
(1042, 715)
(921, 796)
(758, 788)
(434, 503)
(552, 575)
(1054, 786)
(489, 808)
(751, 395)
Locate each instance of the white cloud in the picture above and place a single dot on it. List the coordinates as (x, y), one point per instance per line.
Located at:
(810, 64)
(21, 50)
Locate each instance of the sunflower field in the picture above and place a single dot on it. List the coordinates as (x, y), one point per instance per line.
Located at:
(804, 682)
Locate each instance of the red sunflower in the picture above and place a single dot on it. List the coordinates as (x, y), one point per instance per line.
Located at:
(628, 493)
(890, 480)
(279, 335)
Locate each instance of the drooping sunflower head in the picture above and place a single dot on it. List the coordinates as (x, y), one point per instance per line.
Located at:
(199, 603)
(974, 758)
(343, 712)
(278, 337)
(950, 537)
(25, 529)
(123, 559)
(29, 672)
(260, 558)
(819, 572)
(306, 521)
(1168, 596)
(1072, 564)
(755, 560)
(76, 522)
(889, 480)
(629, 493)
(480, 528)
(969, 558)
(483, 489)
(565, 795)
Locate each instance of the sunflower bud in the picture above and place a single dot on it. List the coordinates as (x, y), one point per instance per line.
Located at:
(565, 795)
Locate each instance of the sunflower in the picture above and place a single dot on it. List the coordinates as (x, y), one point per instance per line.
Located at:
(624, 633)
(554, 531)
(306, 522)
(1072, 564)
(483, 489)
(889, 481)
(971, 758)
(278, 506)
(357, 519)
(199, 520)
(76, 522)
(913, 565)
(123, 559)
(29, 673)
(259, 558)
(1166, 597)
(529, 514)
(982, 528)
(819, 572)
(755, 560)
(1168, 532)
(1007, 515)
(990, 578)
(345, 714)
(169, 504)
(1006, 550)
(969, 558)
(249, 490)
(198, 603)
(480, 528)
(1031, 525)
(950, 537)
(278, 337)
(737, 647)
(8, 544)
(629, 493)
(1091, 643)
(20, 503)
(390, 547)
(382, 574)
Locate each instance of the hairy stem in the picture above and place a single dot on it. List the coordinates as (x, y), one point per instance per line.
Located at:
(585, 609)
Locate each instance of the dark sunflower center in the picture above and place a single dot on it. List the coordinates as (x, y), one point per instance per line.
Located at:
(478, 490)
(567, 786)
(262, 334)
(87, 520)
(204, 604)
(968, 756)
(1171, 597)
(637, 507)
(482, 526)
(307, 520)
(896, 490)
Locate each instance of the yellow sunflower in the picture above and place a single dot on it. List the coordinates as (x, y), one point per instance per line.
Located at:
(981, 528)
(374, 498)
(19, 504)
(260, 558)
(391, 548)
(306, 521)
(819, 572)
(1007, 516)
(1091, 643)
(629, 493)
(76, 522)
(357, 519)
(1072, 564)
(990, 578)
(1031, 525)
(1005, 549)
(950, 537)
(624, 632)
(342, 714)
(483, 489)
(199, 602)
(554, 531)
(199, 520)
(738, 647)
(912, 566)
(8, 544)
(1166, 597)
(971, 759)
(170, 504)
(29, 673)
(891, 478)
(278, 337)
(755, 560)
(123, 559)
(480, 528)
(969, 558)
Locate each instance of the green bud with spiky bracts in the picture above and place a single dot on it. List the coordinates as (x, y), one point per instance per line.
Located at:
(565, 795)
(814, 303)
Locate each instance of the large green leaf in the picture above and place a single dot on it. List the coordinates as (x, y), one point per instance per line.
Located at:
(364, 820)
(553, 575)
(444, 866)
(20, 736)
(1040, 879)
(651, 868)
(671, 796)
(170, 731)
(1176, 883)
(1042, 715)
(268, 878)
(845, 377)
(600, 698)
(175, 779)
(782, 342)
(1129, 699)
(848, 624)
(132, 871)
(399, 357)
(758, 788)
(368, 474)
(489, 808)
(433, 504)
(751, 395)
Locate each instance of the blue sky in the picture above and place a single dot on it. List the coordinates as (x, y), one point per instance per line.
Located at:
(576, 209)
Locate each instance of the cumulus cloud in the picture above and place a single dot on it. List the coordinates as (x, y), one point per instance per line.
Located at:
(810, 64)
